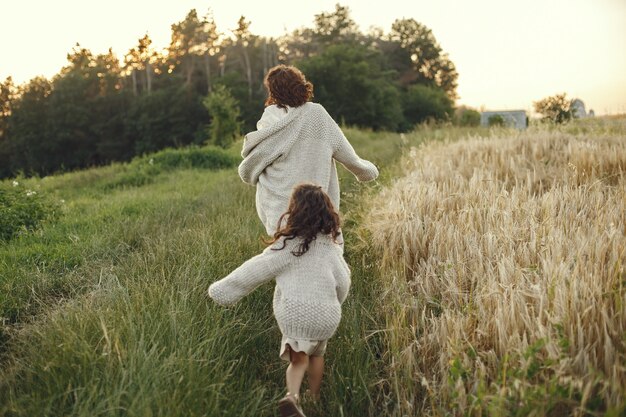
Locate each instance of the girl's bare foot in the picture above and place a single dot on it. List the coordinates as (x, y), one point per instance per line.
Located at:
(289, 406)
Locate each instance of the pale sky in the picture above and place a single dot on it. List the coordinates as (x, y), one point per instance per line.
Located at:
(508, 53)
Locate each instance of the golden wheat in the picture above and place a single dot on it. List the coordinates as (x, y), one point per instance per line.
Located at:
(504, 263)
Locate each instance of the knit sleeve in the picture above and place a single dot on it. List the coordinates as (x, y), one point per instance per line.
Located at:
(343, 152)
(362, 169)
(251, 167)
(257, 160)
(243, 280)
(342, 277)
(271, 114)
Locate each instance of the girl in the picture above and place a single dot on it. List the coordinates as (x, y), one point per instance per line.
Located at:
(296, 141)
(312, 281)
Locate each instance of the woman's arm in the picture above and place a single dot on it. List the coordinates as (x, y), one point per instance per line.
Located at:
(362, 169)
(271, 114)
(243, 280)
(343, 152)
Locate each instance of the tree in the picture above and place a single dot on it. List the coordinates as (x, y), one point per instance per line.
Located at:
(29, 147)
(422, 103)
(335, 27)
(242, 41)
(169, 117)
(556, 109)
(297, 46)
(7, 96)
(184, 45)
(208, 46)
(418, 58)
(329, 28)
(224, 113)
(141, 59)
(353, 86)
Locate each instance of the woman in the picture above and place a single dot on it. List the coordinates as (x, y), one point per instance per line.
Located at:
(297, 141)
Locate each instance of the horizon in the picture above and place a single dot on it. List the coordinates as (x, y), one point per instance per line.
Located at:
(505, 60)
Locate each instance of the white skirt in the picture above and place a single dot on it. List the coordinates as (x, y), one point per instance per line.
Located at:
(310, 347)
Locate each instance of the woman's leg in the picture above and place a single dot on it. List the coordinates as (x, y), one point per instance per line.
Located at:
(295, 371)
(316, 371)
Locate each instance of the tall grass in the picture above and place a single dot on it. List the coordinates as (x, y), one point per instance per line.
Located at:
(504, 267)
(104, 311)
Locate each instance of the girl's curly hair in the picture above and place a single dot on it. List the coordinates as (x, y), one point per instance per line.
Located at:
(287, 86)
(310, 212)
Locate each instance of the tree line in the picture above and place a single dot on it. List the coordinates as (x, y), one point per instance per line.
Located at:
(207, 87)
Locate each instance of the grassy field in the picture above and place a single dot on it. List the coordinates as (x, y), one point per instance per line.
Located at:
(104, 308)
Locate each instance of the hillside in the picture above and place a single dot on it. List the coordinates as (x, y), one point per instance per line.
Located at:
(104, 308)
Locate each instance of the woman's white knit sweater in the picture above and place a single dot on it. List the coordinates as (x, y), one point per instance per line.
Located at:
(300, 147)
(309, 288)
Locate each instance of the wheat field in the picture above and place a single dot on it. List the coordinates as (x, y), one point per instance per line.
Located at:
(505, 284)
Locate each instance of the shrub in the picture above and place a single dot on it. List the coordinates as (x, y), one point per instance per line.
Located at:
(225, 125)
(194, 157)
(22, 210)
(496, 120)
(469, 117)
(143, 170)
(423, 103)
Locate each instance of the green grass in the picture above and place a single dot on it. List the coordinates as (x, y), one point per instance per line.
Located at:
(105, 314)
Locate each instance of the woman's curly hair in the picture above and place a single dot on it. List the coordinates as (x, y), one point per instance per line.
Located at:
(287, 86)
(310, 212)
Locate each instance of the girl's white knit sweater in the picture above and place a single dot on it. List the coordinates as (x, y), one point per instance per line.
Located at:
(309, 288)
(302, 146)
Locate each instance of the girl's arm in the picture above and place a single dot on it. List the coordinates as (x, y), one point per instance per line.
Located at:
(342, 277)
(243, 280)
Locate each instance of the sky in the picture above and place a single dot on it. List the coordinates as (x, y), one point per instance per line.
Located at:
(507, 53)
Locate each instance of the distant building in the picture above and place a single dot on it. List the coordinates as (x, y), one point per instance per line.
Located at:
(579, 108)
(510, 118)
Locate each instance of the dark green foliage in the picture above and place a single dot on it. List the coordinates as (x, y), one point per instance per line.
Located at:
(25, 138)
(225, 125)
(495, 120)
(22, 210)
(143, 170)
(109, 133)
(468, 117)
(192, 157)
(171, 117)
(422, 103)
(535, 390)
(350, 82)
(100, 108)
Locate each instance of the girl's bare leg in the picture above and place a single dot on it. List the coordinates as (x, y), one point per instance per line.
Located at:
(316, 371)
(295, 371)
